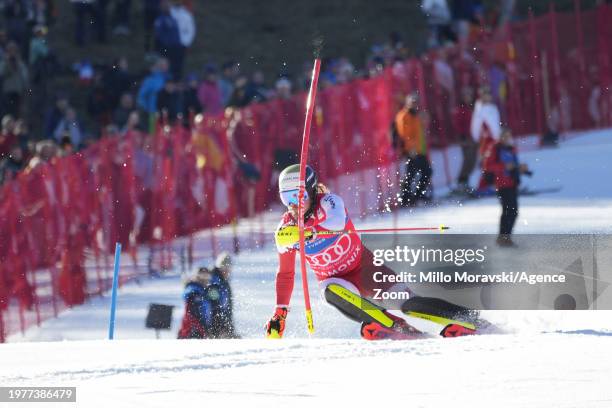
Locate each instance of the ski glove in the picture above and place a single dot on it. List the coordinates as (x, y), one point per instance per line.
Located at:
(276, 326)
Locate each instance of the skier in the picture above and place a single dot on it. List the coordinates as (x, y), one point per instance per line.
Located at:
(338, 259)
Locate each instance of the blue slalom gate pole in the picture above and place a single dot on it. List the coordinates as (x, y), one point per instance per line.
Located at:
(111, 323)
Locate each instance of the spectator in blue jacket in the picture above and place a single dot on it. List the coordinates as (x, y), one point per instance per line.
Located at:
(168, 39)
(206, 306)
(152, 84)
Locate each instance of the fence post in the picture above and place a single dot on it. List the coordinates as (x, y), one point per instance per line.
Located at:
(554, 60)
(213, 240)
(603, 46)
(422, 95)
(22, 322)
(96, 252)
(442, 125)
(535, 69)
(229, 179)
(581, 61)
(2, 336)
(423, 102)
(261, 184)
(36, 298)
(53, 272)
(514, 107)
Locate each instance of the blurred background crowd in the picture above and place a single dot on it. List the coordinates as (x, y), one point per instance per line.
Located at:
(51, 105)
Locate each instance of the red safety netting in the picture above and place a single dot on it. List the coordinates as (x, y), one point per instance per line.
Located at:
(59, 222)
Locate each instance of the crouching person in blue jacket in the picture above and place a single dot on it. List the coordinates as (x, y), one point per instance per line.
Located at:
(207, 308)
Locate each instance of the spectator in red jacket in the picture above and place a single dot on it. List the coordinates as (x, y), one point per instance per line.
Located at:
(462, 119)
(209, 92)
(503, 163)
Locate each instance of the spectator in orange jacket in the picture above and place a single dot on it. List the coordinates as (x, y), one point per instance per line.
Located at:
(410, 125)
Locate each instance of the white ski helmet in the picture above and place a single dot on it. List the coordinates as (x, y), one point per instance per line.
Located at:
(289, 183)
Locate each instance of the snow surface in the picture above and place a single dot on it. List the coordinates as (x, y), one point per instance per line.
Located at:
(551, 370)
(560, 359)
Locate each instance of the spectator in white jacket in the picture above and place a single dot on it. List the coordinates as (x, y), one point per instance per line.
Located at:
(486, 130)
(170, 37)
(485, 120)
(185, 21)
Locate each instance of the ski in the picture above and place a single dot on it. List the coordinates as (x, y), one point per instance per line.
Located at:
(454, 320)
(464, 196)
(547, 190)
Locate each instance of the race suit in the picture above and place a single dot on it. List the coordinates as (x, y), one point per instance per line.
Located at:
(334, 257)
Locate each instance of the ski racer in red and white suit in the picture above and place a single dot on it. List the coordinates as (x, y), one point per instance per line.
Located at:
(329, 256)
(336, 255)
(334, 258)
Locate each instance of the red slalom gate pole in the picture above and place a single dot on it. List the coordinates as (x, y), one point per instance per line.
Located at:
(310, 103)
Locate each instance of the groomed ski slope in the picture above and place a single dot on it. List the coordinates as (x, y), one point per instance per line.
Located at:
(548, 359)
(550, 370)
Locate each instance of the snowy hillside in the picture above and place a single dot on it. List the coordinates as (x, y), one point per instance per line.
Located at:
(559, 359)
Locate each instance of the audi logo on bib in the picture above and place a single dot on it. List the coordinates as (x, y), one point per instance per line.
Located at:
(342, 254)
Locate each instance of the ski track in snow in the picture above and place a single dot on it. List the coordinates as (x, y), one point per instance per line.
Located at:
(547, 359)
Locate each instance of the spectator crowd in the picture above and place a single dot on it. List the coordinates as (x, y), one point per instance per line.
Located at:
(120, 99)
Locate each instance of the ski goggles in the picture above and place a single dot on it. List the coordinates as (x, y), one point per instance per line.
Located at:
(290, 197)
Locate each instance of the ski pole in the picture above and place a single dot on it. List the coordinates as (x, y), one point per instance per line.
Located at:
(366, 230)
(310, 102)
(292, 232)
